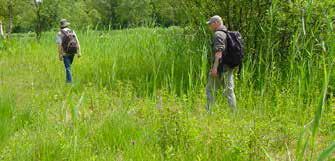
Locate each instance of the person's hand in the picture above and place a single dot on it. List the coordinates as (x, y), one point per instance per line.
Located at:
(79, 55)
(214, 72)
(218, 55)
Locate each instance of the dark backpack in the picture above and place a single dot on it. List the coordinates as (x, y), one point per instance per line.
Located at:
(69, 42)
(234, 51)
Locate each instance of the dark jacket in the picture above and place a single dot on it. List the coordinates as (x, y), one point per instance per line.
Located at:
(219, 41)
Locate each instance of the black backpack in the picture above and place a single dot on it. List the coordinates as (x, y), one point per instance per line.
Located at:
(234, 51)
(69, 42)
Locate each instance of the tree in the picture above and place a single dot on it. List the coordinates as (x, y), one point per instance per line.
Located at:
(168, 12)
(11, 15)
(46, 16)
(7, 8)
(134, 13)
(11, 12)
(38, 29)
(80, 13)
(1, 30)
(107, 11)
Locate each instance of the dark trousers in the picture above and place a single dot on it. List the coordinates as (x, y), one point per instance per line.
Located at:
(68, 59)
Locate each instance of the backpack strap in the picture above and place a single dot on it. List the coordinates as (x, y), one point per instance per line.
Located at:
(223, 30)
(65, 33)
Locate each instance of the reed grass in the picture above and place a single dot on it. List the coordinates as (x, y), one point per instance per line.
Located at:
(138, 94)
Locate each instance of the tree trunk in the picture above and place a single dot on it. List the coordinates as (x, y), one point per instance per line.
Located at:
(1, 31)
(38, 28)
(228, 15)
(11, 17)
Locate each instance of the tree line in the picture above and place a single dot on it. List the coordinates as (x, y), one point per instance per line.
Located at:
(34, 15)
(29, 15)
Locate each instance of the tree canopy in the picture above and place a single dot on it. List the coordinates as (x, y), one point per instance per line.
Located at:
(21, 15)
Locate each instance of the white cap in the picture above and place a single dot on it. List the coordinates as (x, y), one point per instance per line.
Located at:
(213, 19)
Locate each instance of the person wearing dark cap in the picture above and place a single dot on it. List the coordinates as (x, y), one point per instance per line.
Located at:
(219, 77)
(68, 46)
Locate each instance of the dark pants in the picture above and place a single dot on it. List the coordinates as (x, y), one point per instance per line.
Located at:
(67, 63)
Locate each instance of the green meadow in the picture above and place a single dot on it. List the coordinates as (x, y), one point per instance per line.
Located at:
(139, 94)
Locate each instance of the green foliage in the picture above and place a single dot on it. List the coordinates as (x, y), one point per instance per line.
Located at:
(150, 113)
(6, 114)
(150, 53)
(138, 93)
(85, 13)
(327, 152)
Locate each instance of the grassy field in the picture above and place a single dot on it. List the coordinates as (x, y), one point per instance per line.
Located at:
(138, 94)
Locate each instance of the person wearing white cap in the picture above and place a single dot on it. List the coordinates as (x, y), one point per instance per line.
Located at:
(68, 46)
(219, 76)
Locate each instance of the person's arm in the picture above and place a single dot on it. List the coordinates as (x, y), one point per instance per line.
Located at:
(79, 49)
(218, 56)
(60, 52)
(219, 47)
(214, 70)
(59, 46)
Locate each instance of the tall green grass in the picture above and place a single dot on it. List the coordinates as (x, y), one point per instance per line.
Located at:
(138, 94)
(6, 113)
(147, 59)
(122, 108)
